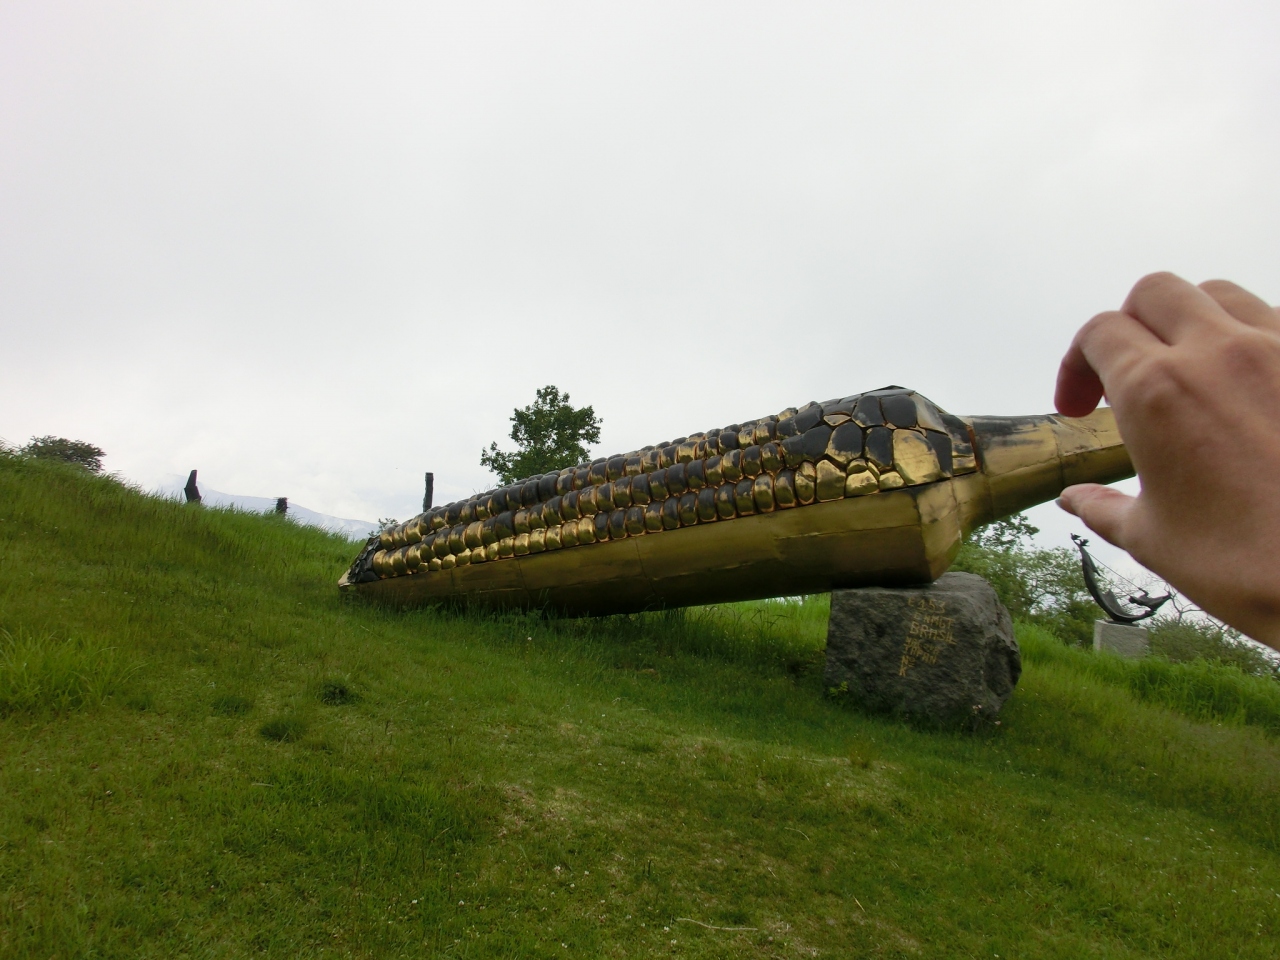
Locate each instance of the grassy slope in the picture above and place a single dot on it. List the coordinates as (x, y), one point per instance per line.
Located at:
(509, 787)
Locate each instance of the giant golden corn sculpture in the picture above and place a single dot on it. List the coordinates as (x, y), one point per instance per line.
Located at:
(878, 488)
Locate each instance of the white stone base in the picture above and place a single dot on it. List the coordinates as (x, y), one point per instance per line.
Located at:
(1125, 639)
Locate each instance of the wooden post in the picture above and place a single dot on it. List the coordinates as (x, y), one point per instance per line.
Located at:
(191, 491)
(426, 497)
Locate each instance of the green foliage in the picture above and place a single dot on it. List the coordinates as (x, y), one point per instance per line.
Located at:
(1200, 688)
(1044, 587)
(499, 776)
(79, 452)
(550, 434)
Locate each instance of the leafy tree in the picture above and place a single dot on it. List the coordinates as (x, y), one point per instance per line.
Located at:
(69, 451)
(1044, 587)
(550, 434)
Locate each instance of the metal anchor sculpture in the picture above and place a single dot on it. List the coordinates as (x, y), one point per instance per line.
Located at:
(1115, 607)
(875, 488)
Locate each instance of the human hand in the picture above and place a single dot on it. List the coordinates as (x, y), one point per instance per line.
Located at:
(1193, 375)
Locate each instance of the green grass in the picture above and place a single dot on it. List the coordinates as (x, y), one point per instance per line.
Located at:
(218, 757)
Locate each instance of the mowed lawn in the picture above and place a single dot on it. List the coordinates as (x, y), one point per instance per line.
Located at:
(205, 752)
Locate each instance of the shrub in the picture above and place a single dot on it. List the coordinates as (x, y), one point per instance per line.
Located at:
(79, 452)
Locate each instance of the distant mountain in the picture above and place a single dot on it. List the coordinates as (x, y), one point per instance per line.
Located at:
(172, 487)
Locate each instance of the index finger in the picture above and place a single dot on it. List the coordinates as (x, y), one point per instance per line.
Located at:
(1102, 350)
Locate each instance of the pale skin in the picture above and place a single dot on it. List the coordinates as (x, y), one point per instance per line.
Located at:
(1193, 375)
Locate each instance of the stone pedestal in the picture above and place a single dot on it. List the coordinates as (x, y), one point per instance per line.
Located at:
(1125, 639)
(943, 652)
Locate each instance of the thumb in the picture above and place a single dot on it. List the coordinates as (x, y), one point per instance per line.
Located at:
(1105, 511)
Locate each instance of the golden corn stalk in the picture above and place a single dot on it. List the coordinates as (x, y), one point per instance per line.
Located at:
(878, 488)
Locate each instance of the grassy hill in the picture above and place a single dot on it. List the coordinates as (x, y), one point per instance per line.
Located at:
(204, 752)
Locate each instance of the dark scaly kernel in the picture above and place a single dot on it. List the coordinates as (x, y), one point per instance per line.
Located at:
(879, 447)
(726, 501)
(520, 546)
(689, 510)
(711, 470)
(809, 416)
(899, 410)
(507, 547)
(633, 467)
(635, 521)
(751, 466)
(814, 443)
(587, 530)
(653, 516)
(505, 525)
(467, 513)
(448, 562)
(587, 503)
(413, 530)
(569, 533)
(770, 457)
(640, 494)
(671, 513)
(547, 486)
(743, 498)
(649, 462)
(762, 493)
(766, 430)
(488, 532)
(440, 547)
(731, 466)
(845, 444)
(618, 525)
(456, 532)
(784, 489)
(706, 504)
(658, 484)
(471, 538)
(667, 455)
(676, 481)
(537, 517)
(564, 482)
(569, 505)
(622, 492)
(615, 467)
(515, 496)
(529, 493)
(596, 472)
(728, 440)
(552, 537)
(867, 413)
(787, 428)
(399, 565)
(684, 451)
(602, 526)
(481, 508)
(604, 497)
(695, 474)
(551, 511)
(806, 481)
(582, 478)
(793, 450)
(520, 521)
(452, 513)
(941, 444)
(537, 540)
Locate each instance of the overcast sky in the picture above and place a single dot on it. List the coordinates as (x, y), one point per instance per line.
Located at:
(314, 249)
